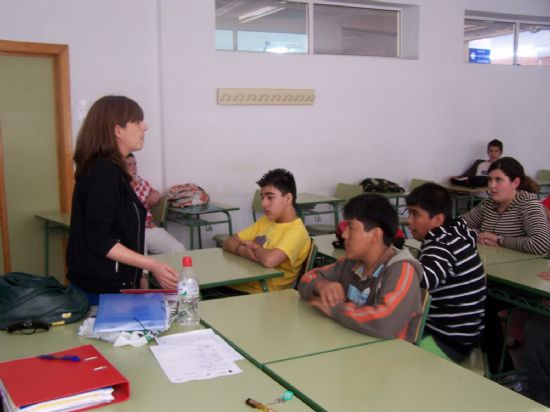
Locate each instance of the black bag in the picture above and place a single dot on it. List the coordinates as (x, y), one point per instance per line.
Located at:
(25, 297)
(473, 181)
(378, 185)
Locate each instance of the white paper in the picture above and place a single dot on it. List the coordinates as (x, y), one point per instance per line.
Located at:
(201, 336)
(193, 361)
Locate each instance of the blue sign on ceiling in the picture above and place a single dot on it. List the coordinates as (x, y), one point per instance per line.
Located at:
(479, 56)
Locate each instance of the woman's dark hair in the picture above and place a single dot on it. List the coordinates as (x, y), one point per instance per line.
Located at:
(97, 134)
(512, 168)
(373, 211)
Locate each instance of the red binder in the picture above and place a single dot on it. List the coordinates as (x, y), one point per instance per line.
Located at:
(34, 380)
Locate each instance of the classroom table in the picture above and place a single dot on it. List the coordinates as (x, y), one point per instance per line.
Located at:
(216, 267)
(273, 326)
(191, 218)
(53, 221)
(489, 254)
(391, 196)
(458, 192)
(150, 389)
(324, 247)
(306, 203)
(517, 283)
(392, 376)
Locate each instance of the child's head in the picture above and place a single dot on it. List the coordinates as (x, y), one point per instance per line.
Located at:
(278, 189)
(506, 176)
(430, 206)
(494, 150)
(372, 221)
(131, 164)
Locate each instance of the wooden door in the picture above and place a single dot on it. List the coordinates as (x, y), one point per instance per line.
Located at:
(36, 173)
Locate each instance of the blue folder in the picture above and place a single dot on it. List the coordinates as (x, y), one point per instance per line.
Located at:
(121, 312)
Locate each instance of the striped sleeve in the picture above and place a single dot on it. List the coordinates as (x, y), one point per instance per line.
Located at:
(535, 225)
(437, 262)
(397, 303)
(474, 217)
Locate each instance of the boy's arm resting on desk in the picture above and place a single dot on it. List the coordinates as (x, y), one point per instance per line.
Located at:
(310, 282)
(397, 303)
(269, 258)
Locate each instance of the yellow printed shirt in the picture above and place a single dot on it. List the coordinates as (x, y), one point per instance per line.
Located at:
(291, 238)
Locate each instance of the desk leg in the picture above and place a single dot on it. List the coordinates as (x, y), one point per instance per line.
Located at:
(46, 248)
(191, 236)
(264, 286)
(229, 223)
(336, 217)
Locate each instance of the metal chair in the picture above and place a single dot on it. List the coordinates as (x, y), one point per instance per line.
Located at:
(256, 208)
(308, 264)
(426, 299)
(160, 212)
(343, 191)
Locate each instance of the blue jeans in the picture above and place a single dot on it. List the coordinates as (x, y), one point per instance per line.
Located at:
(93, 298)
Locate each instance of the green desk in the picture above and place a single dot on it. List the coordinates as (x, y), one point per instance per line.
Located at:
(324, 246)
(393, 376)
(490, 255)
(306, 203)
(518, 283)
(458, 192)
(192, 218)
(150, 389)
(269, 327)
(53, 221)
(392, 196)
(216, 267)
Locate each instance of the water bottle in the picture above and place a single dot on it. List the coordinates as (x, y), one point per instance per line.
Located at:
(188, 295)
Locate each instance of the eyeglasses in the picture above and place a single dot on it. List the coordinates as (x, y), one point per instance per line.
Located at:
(28, 327)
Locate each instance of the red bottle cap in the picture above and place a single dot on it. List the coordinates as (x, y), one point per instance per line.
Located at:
(187, 262)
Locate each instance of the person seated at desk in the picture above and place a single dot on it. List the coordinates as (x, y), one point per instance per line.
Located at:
(157, 239)
(278, 239)
(105, 247)
(453, 273)
(512, 216)
(375, 288)
(481, 166)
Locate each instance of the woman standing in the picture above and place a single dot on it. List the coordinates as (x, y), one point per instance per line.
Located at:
(104, 252)
(513, 216)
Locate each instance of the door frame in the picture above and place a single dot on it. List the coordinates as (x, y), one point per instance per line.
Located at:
(62, 91)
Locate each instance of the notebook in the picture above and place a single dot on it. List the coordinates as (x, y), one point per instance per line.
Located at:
(129, 312)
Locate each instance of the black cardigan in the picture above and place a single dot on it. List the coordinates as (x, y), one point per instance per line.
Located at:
(105, 211)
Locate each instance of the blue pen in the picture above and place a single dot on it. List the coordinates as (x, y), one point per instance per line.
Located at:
(71, 358)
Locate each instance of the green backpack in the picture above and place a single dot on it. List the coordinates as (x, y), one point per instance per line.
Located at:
(25, 297)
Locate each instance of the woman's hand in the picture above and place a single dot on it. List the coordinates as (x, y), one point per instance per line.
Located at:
(487, 238)
(166, 276)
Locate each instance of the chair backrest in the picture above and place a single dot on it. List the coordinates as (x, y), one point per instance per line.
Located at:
(543, 174)
(417, 182)
(346, 191)
(308, 264)
(257, 203)
(426, 299)
(160, 212)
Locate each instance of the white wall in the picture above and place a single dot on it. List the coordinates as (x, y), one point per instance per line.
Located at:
(398, 119)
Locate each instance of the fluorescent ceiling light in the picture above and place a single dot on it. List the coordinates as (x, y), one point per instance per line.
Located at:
(256, 14)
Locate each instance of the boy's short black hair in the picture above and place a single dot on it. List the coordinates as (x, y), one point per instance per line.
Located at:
(496, 143)
(280, 179)
(373, 211)
(432, 198)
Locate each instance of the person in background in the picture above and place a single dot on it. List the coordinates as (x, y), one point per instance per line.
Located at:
(157, 239)
(453, 273)
(106, 238)
(277, 240)
(481, 166)
(375, 289)
(512, 216)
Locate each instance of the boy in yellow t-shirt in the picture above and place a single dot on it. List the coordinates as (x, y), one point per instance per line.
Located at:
(277, 240)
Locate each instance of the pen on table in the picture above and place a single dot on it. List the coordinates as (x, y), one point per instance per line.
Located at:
(258, 405)
(71, 358)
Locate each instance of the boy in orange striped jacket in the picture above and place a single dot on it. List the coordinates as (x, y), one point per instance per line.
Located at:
(375, 289)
